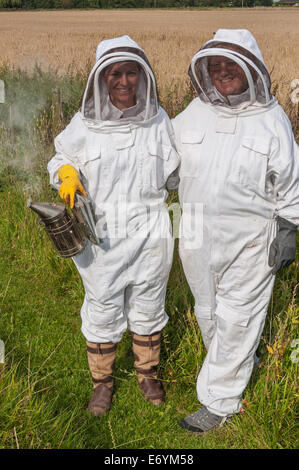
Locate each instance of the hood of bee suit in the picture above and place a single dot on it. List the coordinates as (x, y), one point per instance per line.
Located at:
(239, 49)
(96, 106)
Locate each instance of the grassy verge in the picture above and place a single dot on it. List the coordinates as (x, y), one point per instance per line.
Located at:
(45, 383)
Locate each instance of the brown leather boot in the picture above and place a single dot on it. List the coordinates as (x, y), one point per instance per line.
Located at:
(147, 354)
(101, 360)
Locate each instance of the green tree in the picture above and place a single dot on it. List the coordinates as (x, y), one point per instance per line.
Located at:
(265, 3)
(43, 4)
(10, 3)
(28, 4)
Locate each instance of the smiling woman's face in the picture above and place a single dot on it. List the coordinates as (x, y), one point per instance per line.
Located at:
(122, 81)
(227, 76)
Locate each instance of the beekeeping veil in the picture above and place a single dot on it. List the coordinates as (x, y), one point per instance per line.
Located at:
(238, 47)
(96, 104)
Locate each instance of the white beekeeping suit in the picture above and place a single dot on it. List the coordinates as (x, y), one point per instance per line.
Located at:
(124, 158)
(239, 163)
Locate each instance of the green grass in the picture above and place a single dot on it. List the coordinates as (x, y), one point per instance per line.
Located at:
(45, 383)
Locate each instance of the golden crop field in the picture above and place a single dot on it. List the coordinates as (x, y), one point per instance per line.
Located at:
(170, 38)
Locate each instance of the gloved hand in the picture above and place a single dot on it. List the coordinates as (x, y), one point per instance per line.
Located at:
(70, 183)
(283, 248)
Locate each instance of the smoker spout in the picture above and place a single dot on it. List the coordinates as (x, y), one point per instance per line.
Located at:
(46, 210)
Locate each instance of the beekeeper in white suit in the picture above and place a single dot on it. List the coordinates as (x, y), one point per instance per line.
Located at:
(239, 169)
(119, 150)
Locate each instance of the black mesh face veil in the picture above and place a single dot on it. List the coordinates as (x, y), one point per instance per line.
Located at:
(95, 102)
(228, 75)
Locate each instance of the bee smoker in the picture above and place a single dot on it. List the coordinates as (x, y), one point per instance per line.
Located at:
(66, 233)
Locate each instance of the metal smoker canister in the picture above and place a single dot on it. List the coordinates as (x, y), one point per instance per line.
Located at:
(63, 230)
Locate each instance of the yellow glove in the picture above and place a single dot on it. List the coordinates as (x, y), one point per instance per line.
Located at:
(70, 183)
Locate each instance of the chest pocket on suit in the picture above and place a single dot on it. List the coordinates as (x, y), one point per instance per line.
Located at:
(252, 161)
(155, 161)
(102, 155)
(92, 160)
(191, 153)
(98, 169)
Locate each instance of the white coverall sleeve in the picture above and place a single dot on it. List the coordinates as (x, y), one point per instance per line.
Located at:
(69, 145)
(174, 179)
(53, 166)
(172, 163)
(285, 163)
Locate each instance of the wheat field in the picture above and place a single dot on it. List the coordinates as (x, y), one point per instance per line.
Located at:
(57, 39)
